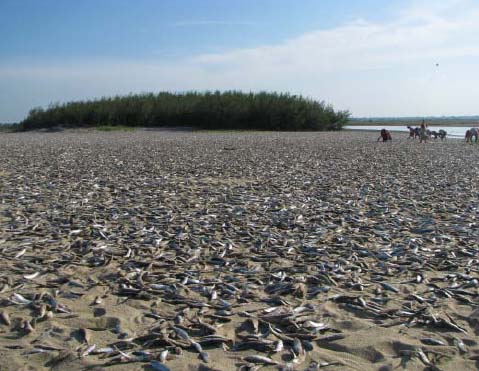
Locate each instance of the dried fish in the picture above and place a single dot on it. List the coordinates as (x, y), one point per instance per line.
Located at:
(31, 276)
(164, 356)
(88, 350)
(157, 366)
(27, 327)
(260, 359)
(431, 341)
(107, 350)
(85, 335)
(5, 318)
(169, 244)
(20, 253)
(423, 357)
(204, 357)
(19, 299)
(460, 345)
(279, 346)
(182, 334)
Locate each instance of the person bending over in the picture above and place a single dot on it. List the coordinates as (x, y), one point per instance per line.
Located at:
(442, 134)
(472, 135)
(385, 135)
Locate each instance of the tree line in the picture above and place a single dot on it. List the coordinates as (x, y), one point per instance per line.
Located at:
(207, 110)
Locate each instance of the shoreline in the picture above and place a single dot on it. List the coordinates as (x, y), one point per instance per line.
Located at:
(417, 123)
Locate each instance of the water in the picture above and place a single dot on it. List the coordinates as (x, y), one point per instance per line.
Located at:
(452, 131)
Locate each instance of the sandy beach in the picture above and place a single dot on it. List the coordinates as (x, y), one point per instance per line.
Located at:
(156, 250)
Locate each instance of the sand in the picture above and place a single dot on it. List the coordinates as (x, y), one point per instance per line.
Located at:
(104, 217)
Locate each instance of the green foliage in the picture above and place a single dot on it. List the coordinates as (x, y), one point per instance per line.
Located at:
(114, 128)
(9, 128)
(208, 110)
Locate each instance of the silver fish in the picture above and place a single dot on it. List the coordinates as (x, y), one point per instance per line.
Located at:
(164, 355)
(88, 350)
(19, 299)
(279, 346)
(182, 333)
(157, 366)
(5, 318)
(260, 359)
(431, 341)
(204, 357)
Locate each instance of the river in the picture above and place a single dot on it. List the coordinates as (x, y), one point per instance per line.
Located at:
(452, 131)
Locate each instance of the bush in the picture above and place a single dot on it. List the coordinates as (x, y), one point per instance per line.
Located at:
(209, 110)
(10, 128)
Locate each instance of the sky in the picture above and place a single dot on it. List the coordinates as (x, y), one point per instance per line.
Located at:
(372, 57)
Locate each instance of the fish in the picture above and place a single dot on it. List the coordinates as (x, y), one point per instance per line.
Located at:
(88, 350)
(423, 357)
(20, 253)
(98, 300)
(389, 287)
(431, 341)
(279, 346)
(164, 355)
(204, 357)
(31, 276)
(260, 359)
(314, 325)
(298, 347)
(106, 350)
(197, 346)
(19, 299)
(182, 333)
(157, 366)
(85, 335)
(5, 318)
(460, 345)
(27, 327)
(284, 247)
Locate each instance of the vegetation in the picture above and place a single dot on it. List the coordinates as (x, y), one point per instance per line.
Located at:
(209, 110)
(9, 128)
(114, 128)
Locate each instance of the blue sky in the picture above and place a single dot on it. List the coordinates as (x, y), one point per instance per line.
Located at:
(151, 28)
(373, 57)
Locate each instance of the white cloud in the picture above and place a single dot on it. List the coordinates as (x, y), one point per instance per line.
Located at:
(371, 68)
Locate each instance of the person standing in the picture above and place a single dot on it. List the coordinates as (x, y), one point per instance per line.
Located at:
(423, 132)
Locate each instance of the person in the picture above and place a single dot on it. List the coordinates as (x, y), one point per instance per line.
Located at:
(412, 132)
(442, 134)
(472, 133)
(423, 132)
(385, 135)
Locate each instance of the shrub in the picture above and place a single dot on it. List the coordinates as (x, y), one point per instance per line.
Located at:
(208, 110)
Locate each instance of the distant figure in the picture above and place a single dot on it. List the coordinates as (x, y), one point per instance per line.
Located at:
(423, 132)
(472, 133)
(413, 132)
(385, 135)
(442, 134)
